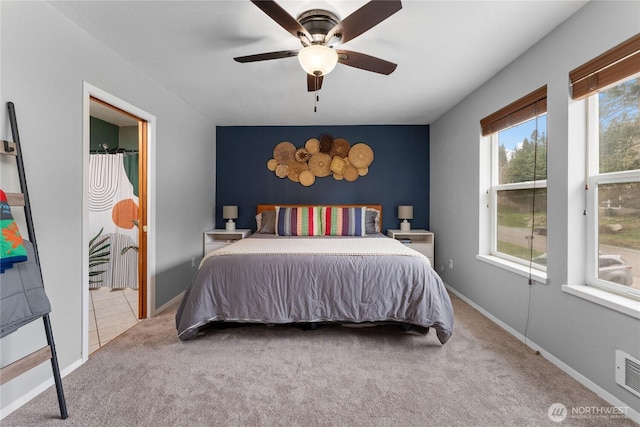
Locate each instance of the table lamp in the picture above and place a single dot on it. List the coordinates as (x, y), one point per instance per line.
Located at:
(230, 213)
(405, 213)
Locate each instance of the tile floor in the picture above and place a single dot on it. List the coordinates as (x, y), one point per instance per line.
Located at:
(112, 311)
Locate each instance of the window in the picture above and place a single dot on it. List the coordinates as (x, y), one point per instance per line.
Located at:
(614, 187)
(518, 186)
(611, 85)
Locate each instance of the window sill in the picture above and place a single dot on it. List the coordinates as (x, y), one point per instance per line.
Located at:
(522, 270)
(619, 303)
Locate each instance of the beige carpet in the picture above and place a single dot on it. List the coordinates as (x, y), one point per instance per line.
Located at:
(332, 376)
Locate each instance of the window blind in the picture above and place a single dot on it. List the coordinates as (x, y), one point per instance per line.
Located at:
(525, 108)
(612, 66)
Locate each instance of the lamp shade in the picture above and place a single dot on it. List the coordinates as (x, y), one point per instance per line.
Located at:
(317, 59)
(229, 212)
(405, 212)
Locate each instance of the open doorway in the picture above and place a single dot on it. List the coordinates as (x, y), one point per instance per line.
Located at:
(118, 292)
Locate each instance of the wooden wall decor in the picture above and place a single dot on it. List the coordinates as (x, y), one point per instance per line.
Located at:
(321, 158)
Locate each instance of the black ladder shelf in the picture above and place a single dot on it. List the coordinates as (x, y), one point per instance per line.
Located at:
(47, 352)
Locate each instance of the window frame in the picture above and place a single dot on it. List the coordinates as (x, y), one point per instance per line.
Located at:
(495, 187)
(594, 179)
(519, 111)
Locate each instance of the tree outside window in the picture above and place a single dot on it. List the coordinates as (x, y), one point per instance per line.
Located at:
(615, 181)
(520, 153)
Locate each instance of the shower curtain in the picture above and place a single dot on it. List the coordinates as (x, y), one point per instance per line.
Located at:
(113, 207)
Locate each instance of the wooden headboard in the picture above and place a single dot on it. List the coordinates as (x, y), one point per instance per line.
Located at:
(262, 208)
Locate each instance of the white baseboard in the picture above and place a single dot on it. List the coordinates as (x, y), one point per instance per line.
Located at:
(611, 399)
(165, 306)
(37, 390)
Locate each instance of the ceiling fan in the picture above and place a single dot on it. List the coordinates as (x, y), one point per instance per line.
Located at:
(320, 30)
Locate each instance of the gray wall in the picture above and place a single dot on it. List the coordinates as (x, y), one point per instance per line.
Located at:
(579, 335)
(45, 60)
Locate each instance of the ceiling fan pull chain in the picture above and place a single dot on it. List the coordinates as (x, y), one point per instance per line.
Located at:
(315, 105)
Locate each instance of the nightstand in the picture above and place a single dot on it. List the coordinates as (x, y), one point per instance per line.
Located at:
(419, 240)
(216, 239)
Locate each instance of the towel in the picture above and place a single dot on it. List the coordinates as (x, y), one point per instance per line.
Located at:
(12, 249)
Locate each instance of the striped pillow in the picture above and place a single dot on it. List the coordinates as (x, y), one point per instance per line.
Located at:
(298, 221)
(338, 221)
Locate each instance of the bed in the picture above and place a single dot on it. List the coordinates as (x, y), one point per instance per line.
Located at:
(326, 264)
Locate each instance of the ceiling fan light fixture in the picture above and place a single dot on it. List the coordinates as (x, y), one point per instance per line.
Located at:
(317, 59)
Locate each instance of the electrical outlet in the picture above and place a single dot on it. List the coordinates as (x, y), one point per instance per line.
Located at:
(450, 264)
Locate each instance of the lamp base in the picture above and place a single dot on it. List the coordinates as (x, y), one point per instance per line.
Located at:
(230, 225)
(405, 226)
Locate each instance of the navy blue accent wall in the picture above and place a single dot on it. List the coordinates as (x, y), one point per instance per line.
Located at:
(399, 174)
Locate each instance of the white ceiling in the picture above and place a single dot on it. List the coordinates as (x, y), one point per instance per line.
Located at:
(444, 51)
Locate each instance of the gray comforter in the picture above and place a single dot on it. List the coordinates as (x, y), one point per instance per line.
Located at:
(22, 296)
(316, 286)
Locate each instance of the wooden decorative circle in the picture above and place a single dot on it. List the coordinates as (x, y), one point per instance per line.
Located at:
(283, 152)
(307, 178)
(301, 155)
(320, 164)
(338, 177)
(312, 145)
(295, 168)
(360, 155)
(340, 148)
(350, 173)
(272, 164)
(363, 171)
(326, 142)
(282, 171)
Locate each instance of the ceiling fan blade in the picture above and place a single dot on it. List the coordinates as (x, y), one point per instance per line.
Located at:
(282, 17)
(365, 62)
(266, 56)
(314, 83)
(368, 16)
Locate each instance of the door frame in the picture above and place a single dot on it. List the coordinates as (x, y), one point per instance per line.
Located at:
(147, 167)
